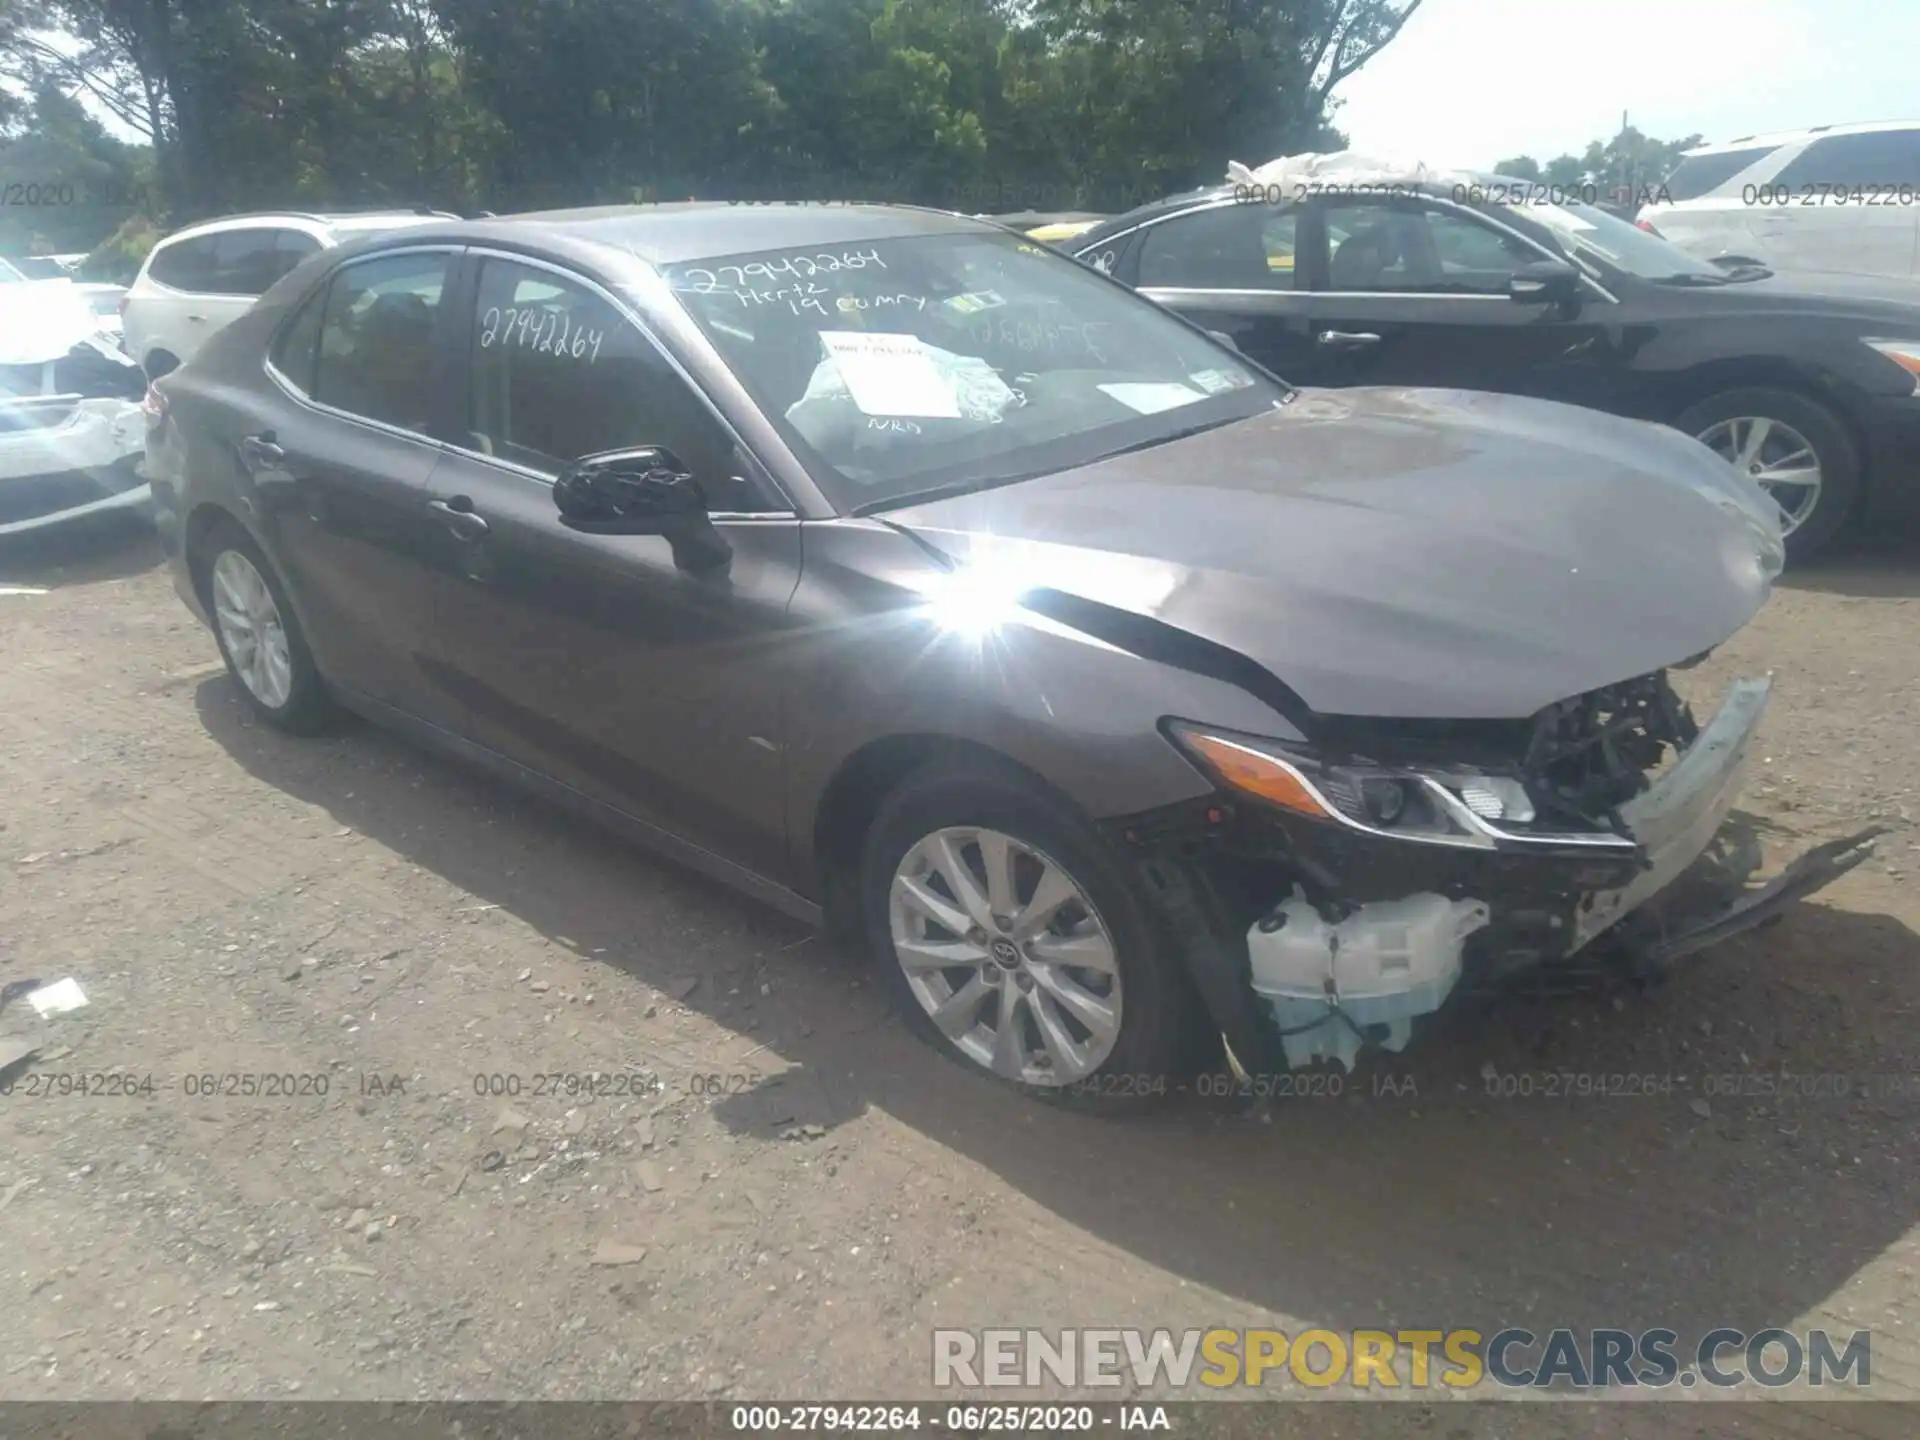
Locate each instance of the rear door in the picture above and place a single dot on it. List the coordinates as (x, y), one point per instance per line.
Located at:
(340, 470)
(1416, 294)
(1846, 203)
(594, 659)
(1234, 268)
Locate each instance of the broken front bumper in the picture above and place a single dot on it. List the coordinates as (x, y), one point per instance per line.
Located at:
(1331, 983)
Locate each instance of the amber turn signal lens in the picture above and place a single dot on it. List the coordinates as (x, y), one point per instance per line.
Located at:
(1257, 774)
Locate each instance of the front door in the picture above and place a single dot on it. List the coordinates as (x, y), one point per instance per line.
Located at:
(1416, 294)
(594, 659)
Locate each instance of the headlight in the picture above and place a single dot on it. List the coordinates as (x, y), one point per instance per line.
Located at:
(1432, 805)
(1904, 353)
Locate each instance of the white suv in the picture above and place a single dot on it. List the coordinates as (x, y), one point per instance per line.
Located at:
(1837, 197)
(205, 276)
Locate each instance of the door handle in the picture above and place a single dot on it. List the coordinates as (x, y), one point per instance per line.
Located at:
(198, 319)
(1348, 339)
(459, 519)
(261, 449)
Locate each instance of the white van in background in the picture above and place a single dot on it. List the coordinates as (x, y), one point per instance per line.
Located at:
(1843, 198)
(206, 276)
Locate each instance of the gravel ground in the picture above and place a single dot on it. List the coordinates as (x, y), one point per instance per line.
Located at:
(783, 1192)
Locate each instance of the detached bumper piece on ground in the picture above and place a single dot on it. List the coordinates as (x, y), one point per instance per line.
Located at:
(71, 426)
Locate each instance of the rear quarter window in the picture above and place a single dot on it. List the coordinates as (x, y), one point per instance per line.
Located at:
(1877, 158)
(183, 264)
(1698, 174)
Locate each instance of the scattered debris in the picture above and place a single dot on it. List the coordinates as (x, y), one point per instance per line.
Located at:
(22, 590)
(13, 1190)
(265, 1305)
(60, 998)
(803, 1132)
(1701, 1108)
(643, 1131)
(492, 1160)
(512, 1120)
(681, 989)
(14, 989)
(649, 1176)
(15, 1052)
(612, 1252)
(575, 1122)
(347, 1267)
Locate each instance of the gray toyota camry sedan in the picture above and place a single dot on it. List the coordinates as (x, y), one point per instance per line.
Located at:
(1119, 698)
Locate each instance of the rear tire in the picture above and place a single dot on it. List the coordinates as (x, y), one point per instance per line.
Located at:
(258, 634)
(1786, 423)
(1014, 1003)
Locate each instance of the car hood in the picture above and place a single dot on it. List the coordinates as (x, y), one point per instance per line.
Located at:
(42, 320)
(1393, 552)
(1816, 292)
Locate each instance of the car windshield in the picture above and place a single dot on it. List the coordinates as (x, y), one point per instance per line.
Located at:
(1592, 234)
(937, 364)
(38, 267)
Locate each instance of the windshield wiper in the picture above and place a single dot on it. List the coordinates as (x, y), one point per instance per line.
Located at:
(1696, 279)
(1151, 441)
(947, 491)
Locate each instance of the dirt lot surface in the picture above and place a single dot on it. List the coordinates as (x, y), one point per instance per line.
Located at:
(788, 1192)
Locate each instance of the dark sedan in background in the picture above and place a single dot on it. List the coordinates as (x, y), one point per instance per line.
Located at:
(1807, 383)
(904, 573)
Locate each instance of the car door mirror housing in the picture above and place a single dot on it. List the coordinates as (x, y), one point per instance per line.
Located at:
(1545, 282)
(643, 491)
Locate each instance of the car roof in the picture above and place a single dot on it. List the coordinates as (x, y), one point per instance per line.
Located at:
(675, 233)
(346, 220)
(1777, 138)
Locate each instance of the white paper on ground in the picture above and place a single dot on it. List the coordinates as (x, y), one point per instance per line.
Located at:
(890, 374)
(1151, 399)
(58, 998)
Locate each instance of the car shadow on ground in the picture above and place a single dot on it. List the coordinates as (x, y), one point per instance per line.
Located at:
(1480, 1180)
(85, 552)
(1880, 567)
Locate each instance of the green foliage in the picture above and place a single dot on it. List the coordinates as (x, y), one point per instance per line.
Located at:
(1627, 163)
(519, 104)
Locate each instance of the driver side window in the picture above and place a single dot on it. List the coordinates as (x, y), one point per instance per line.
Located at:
(1421, 249)
(557, 373)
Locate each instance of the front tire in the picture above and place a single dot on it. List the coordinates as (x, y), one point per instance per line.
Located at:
(1005, 930)
(258, 634)
(1798, 450)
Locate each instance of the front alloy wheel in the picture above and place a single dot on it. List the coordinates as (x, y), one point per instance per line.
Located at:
(1006, 955)
(1777, 457)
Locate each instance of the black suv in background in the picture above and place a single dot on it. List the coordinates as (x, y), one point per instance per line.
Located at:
(1808, 383)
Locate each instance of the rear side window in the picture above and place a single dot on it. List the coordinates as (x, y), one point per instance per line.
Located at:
(376, 339)
(298, 347)
(1698, 174)
(248, 262)
(184, 264)
(1882, 158)
(1228, 247)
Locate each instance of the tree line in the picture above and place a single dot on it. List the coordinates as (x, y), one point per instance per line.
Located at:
(504, 105)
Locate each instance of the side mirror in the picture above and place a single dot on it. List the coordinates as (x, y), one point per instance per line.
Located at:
(1545, 282)
(644, 491)
(1225, 339)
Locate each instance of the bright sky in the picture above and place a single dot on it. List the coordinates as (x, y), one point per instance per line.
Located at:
(1470, 82)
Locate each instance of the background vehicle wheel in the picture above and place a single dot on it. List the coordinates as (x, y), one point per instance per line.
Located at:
(258, 635)
(1799, 451)
(1009, 935)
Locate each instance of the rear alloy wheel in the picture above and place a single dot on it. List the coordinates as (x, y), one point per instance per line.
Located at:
(1011, 937)
(1006, 955)
(1793, 448)
(258, 635)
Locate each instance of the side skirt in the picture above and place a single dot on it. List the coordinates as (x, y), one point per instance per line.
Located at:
(661, 842)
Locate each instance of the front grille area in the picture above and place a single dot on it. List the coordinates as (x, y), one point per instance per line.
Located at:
(1589, 755)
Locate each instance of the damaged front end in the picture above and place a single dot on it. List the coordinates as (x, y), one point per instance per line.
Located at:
(71, 426)
(1379, 868)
